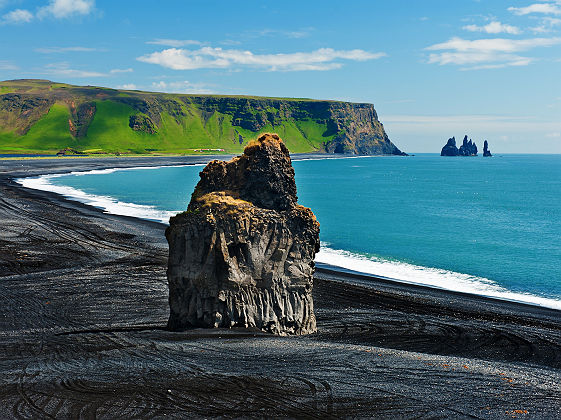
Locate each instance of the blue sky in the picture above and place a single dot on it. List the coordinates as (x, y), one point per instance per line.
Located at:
(432, 68)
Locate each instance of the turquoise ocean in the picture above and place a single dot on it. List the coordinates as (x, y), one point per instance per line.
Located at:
(489, 226)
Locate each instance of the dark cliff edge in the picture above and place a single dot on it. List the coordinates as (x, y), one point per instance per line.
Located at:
(41, 116)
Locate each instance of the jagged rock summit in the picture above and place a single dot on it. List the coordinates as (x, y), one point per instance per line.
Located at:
(468, 148)
(242, 255)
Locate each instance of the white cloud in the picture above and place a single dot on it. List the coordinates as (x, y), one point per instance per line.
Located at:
(494, 27)
(17, 16)
(175, 43)
(181, 87)
(555, 135)
(114, 71)
(127, 86)
(67, 8)
(486, 53)
(544, 8)
(63, 69)
(55, 50)
(208, 57)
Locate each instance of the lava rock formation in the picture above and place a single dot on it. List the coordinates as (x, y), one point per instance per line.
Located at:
(468, 148)
(450, 148)
(486, 151)
(242, 255)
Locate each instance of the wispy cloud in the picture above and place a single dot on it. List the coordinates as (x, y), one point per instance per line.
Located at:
(175, 43)
(115, 71)
(66, 8)
(268, 32)
(486, 53)
(181, 87)
(547, 24)
(128, 86)
(56, 50)
(493, 27)
(17, 16)
(208, 57)
(64, 69)
(58, 9)
(544, 8)
(8, 66)
(496, 124)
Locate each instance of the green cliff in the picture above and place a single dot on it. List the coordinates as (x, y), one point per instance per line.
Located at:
(43, 116)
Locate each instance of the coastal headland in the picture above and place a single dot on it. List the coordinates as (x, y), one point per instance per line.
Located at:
(85, 305)
(40, 116)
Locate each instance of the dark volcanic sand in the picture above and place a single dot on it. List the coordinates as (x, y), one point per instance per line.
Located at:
(83, 305)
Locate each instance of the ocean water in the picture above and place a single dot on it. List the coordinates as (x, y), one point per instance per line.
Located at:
(489, 226)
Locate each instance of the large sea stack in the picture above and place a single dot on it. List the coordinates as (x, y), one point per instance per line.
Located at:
(468, 148)
(242, 255)
(450, 148)
(486, 151)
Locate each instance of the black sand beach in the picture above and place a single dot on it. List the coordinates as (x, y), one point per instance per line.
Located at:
(84, 305)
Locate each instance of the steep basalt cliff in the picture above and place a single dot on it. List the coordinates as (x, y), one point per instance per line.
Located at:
(346, 127)
(242, 255)
(111, 120)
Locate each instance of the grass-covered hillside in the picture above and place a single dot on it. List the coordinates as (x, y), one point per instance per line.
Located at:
(39, 116)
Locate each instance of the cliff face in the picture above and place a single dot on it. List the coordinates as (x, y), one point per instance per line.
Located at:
(242, 254)
(359, 131)
(346, 127)
(85, 118)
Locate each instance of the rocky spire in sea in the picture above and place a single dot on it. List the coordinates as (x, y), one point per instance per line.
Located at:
(450, 148)
(468, 148)
(242, 255)
(486, 151)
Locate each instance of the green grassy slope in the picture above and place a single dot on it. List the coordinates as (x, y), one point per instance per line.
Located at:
(42, 116)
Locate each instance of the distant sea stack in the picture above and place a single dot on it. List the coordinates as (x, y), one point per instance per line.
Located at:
(486, 151)
(242, 255)
(100, 120)
(450, 148)
(468, 148)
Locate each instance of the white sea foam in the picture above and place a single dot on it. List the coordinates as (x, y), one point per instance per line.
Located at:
(427, 276)
(106, 203)
(395, 270)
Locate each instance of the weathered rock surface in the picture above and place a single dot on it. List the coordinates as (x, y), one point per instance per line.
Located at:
(468, 148)
(486, 151)
(242, 255)
(450, 148)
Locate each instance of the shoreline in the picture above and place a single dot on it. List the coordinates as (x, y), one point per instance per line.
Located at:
(85, 308)
(131, 210)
